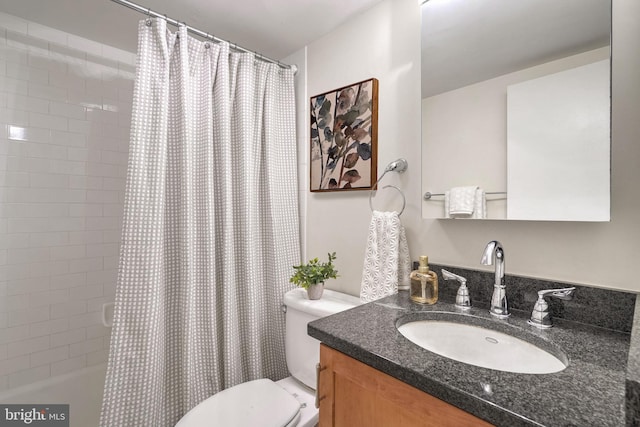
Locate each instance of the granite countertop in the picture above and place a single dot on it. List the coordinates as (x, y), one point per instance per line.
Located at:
(589, 392)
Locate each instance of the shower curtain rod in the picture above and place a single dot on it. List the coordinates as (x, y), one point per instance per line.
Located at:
(201, 33)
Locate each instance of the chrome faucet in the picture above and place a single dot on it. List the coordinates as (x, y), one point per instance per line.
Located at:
(494, 253)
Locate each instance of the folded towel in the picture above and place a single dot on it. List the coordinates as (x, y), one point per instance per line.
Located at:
(465, 202)
(387, 263)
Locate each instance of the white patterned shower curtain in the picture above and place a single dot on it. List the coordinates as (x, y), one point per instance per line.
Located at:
(210, 228)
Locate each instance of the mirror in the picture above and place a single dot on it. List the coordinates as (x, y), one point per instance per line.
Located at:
(516, 101)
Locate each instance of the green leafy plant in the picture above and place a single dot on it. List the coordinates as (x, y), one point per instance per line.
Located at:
(314, 272)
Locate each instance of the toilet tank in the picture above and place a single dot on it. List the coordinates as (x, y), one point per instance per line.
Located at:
(302, 351)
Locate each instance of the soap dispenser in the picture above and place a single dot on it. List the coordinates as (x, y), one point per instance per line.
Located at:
(424, 283)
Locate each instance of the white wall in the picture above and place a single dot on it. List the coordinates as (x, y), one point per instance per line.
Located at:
(65, 106)
(384, 43)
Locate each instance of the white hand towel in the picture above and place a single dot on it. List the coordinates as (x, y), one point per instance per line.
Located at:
(461, 200)
(387, 263)
(456, 203)
(480, 205)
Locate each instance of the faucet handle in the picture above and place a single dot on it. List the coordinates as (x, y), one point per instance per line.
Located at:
(463, 300)
(540, 316)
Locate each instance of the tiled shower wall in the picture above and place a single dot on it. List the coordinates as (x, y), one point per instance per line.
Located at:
(65, 106)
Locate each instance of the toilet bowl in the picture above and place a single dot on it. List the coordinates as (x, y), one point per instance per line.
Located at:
(290, 401)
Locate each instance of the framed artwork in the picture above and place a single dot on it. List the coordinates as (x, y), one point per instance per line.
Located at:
(344, 138)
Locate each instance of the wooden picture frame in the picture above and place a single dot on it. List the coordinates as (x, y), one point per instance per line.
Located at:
(344, 138)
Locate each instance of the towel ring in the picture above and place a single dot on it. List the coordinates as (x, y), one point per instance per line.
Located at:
(404, 200)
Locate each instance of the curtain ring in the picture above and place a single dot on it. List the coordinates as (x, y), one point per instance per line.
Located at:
(206, 43)
(148, 22)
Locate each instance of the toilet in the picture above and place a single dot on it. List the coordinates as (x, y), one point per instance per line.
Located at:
(285, 403)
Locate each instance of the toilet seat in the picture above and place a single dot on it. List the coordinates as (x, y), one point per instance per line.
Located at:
(255, 403)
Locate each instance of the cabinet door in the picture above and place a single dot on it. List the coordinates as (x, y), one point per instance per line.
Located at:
(353, 394)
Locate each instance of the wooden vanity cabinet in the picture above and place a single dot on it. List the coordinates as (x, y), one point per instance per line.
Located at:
(353, 394)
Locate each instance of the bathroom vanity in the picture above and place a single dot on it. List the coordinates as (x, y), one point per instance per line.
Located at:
(354, 394)
(372, 375)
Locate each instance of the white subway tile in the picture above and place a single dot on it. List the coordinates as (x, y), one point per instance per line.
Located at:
(27, 316)
(14, 179)
(69, 139)
(104, 223)
(103, 250)
(27, 286)
(85, 209)
(48, 180)
(85, 292)
(97, 357)
(68, 365)
(85, 237)
(46, 91)
(68, 280)
(15, 240)
(46, 62)
(11, 334)
(48, 121)
(88, 346)
(113, 209)
(80, 126)
(48, 239)
(48, 327)
(85, 320)
(85, 264)
(114, 157)
(95, 304)
(36, 269)
(111, 236)
(3, 351)
(29, 376)
(24, 72)
(102, 276)
(85, 182)
(14, 85)
(96, 331)
(102, 196)
(49, 356)
(28, 255)
(25, 43)
(67, 309)
(14, 364)
(28, 346)
(16, 118)
(37, 225)
(77, 154)
(13, 303)
(71, 111)
(27, 133)
(42, 299)
(111, 262)
(68, 252)
(68, 337)
(27, 103)
(69, 167)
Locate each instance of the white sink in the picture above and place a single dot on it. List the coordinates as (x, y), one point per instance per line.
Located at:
(482, 347)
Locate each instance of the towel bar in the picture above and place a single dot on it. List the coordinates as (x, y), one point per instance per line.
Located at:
(428, 195)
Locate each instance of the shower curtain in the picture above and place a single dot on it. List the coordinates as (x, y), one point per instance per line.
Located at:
(210, 228)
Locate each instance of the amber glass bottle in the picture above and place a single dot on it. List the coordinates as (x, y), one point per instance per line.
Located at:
(424, 283)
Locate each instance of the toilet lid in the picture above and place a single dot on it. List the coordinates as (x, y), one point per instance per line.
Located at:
(254, 403)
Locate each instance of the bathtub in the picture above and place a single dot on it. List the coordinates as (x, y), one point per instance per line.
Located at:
(81, 389)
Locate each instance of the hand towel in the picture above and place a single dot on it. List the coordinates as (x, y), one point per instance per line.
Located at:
(457, 200)
(387, 263)
(462, 200)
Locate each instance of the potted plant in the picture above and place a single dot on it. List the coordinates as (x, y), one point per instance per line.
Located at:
(311, 276)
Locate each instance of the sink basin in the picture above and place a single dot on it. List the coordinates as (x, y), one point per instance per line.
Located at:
(481, 346)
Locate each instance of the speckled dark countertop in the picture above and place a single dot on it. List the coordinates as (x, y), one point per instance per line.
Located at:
(589, 392)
